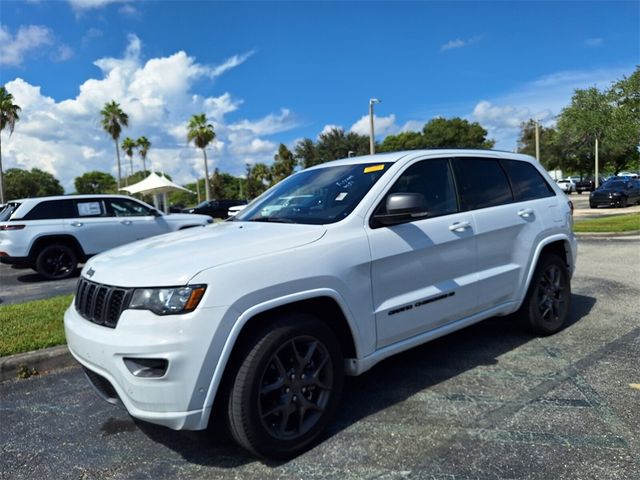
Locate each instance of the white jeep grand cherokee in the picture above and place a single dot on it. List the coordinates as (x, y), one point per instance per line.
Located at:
(53, 234)
(259, 318)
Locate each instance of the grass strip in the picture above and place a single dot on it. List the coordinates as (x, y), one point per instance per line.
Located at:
(628, 222)
(32, 325)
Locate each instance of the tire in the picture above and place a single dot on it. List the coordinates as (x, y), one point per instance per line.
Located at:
(273, 410)
(593, 205)
(623, 202)
(57, 261)
(546, 306)
(579, 192)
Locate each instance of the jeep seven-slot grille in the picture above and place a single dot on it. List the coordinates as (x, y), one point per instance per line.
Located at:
(102, 304)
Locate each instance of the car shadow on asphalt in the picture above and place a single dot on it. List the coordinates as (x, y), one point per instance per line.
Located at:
(388, 383)
(37, 278)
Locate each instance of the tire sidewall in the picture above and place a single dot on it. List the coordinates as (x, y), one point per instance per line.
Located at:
(259, 440)
(43, 255)
(532, 310)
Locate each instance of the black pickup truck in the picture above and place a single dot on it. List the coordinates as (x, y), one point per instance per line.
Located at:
(587, 184)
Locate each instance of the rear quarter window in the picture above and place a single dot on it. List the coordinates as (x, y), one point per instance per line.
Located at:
(51, 209)
(526, 181)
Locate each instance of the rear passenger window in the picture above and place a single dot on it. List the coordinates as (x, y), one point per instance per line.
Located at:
(91, 208)
(526, 181)
(432, 179)
(481, 183)
(51, 209)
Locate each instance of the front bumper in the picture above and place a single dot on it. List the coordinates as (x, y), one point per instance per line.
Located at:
(605, 201)
(175, 400)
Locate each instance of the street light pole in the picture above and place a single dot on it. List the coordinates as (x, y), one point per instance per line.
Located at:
(537, 140)
(372, 143)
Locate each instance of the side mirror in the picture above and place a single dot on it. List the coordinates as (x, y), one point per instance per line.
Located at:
(401, 208)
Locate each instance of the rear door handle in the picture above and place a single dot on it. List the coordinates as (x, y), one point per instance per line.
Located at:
(526, 212)
(77, 224)
(125, 222)
(459, 226)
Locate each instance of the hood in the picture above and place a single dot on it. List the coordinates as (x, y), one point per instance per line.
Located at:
(174, 258)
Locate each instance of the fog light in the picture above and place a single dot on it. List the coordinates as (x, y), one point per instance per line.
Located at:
(147, 367)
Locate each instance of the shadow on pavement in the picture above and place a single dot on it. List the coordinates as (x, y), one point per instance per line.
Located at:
(390, 382)
(36, 278)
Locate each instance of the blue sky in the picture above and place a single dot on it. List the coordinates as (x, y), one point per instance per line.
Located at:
(271, 72)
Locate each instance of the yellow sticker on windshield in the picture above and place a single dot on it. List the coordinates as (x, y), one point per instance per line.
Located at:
(373, 168)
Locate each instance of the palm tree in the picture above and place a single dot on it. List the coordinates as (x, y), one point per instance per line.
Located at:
(143, 145)
(202, 134)
(127, 147)
(8, 118)
(113, 119)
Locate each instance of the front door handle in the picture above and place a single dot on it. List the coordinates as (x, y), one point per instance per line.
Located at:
(77, 224)
(526, 212)
(459, 226)
(125, 222)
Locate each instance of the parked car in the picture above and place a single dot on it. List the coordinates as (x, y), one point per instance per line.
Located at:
(53, 234)
(567, 185)
(588, 184)
(259, 318)
(214, 208)
(233, 211)
(616, 193)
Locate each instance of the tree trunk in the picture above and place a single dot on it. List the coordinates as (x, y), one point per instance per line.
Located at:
(1, 176)
(144, 166)
(131, 163)
(118, 157)
(207, 191)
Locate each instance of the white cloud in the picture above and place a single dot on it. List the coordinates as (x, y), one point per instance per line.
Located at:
(65, 138)
(594, 42)
(79, 5)
(129, 10)
(64, 52)
(27, 39)
(327, 128)
(460, 43)
(382, 125)
(542, 98)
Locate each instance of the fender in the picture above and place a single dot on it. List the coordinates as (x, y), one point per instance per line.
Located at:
(536, 256)
(53, 237)
(251, 312)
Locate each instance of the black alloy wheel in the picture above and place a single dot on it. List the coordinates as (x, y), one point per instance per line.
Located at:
(548, 300)
(56, 262)
(623, 203)
(286, 388)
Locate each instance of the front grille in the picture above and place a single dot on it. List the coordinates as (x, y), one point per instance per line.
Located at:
(101, 304)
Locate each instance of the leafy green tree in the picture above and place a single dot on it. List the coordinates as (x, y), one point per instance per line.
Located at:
(9, 115)
(201, 133)
(625, 125)
(95, 182)
(143, 145)
(113, 119)
(284, 163)
(306, 154)
(35, 183)
(550, 156)
(258, 179)
(455, 133)
(401, 141)
(127, 147)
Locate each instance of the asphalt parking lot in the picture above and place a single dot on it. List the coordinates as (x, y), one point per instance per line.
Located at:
(18, 285)
(489, 402)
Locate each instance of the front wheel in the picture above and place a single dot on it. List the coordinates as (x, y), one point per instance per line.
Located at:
(548, 300)
(287, 388)
(57, 261)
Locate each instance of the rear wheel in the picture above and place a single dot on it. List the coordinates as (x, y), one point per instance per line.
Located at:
(57, 261)
(623, 202)
(546, 306)
(287, 388)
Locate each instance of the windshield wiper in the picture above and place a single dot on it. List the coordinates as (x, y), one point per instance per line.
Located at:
(273, 219)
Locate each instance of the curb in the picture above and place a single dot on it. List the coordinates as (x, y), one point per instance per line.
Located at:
(633, 233)
(39, 360)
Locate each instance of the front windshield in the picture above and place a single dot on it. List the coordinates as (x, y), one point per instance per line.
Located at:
(7, 211)
(317, 196)
(203, 204)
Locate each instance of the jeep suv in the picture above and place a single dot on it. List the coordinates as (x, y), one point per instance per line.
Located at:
(53, 234)
(254, 322)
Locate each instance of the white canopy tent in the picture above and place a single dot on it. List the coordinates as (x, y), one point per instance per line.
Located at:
(156, 185)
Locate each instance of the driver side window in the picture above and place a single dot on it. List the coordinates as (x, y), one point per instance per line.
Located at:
(126, 208)
(433, 180)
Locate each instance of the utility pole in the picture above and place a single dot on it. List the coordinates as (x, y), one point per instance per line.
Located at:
(372, 142)
(596, 182)
(538, 141)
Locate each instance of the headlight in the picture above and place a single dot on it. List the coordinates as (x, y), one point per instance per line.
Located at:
(167, 301)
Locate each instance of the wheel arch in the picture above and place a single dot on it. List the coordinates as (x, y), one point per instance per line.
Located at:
(45, 240)
(328, 303)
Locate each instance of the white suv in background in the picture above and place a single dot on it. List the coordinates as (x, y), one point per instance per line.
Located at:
(53, 234)
(258, 318)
